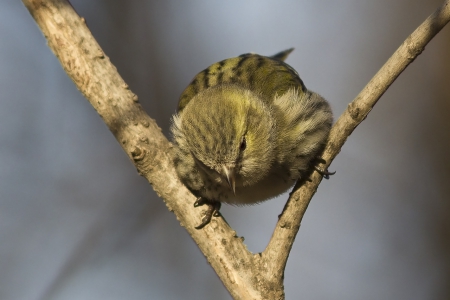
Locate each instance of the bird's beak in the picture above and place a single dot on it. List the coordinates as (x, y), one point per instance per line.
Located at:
(229, 173)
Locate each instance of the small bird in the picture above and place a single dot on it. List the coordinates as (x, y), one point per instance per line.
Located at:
(246, 130)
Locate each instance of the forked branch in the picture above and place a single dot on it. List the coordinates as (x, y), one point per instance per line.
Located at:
(246, 275)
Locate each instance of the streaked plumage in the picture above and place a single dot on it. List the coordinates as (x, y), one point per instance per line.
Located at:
(246, 129)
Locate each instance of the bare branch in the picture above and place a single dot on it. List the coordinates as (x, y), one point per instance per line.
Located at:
(91, 70)
(289, 223)
(245, 275)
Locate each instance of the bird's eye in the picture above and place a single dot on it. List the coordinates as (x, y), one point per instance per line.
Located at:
(243, 144)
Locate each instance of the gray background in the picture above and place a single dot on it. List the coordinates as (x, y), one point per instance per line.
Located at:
(77, 222)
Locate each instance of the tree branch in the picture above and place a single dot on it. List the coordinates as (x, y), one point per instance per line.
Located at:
(289, 223)
(91, 70)
(245, 275)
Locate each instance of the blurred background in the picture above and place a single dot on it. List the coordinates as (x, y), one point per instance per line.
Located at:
(77, 222)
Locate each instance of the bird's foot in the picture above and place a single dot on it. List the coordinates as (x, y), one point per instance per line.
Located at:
(325, 173)
(213, 210)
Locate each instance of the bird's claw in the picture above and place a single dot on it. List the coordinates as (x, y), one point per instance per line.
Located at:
(325, 173)
(213, 210)
(200, 201)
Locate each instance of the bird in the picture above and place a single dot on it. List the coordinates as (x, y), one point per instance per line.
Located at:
(245, 130)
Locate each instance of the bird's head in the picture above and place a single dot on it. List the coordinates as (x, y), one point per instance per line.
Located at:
(230, 132)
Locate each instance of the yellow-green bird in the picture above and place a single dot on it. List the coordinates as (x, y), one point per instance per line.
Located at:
(246, 130)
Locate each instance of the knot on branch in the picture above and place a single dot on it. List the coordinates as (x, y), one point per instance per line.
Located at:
(413, 49)
(354, 111)
(138, 153)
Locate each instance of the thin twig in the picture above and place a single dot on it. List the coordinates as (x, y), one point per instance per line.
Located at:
(289, 223)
